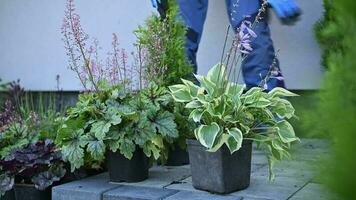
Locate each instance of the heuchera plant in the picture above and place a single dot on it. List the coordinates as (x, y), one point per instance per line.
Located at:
(121, 108)
(228, 116)
(38, 163)
(17, 134)
(116, 121)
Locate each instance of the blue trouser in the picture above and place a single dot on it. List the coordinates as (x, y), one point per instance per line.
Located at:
(258, 62)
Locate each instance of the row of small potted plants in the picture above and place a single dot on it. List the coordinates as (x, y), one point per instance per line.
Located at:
(133, 114)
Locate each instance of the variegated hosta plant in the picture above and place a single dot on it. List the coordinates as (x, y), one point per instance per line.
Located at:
(227, 115)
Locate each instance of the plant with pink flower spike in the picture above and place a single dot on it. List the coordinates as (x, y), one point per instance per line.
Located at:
(85, 60)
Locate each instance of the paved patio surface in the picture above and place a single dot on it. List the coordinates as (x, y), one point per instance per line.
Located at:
(295, 180)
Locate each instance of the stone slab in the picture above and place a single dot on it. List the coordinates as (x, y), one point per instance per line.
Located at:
(254, 198)
(183, 185)
(161, 176)
(258, 157)
(137, 193)
(313, 191)
(280, 189)
(90, 188)
(293, 169)
(185, 195)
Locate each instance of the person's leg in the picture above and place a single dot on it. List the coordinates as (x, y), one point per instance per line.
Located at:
(258, 62)
(193, 13)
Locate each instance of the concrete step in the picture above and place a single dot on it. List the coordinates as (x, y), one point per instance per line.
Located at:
(175, 183)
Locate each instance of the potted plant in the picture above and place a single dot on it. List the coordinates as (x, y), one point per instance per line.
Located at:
(163, 40)
(119, 116)
(229, 119)
(31, 170)
(21, 126)
(177, 152)
(6, 193)
(147, 132)
(14, 133)
(128, 129)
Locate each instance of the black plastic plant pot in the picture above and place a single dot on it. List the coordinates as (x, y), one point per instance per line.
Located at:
(220, 172)
(9, 195)
(29, 192)
(122, 169)
(177, 156)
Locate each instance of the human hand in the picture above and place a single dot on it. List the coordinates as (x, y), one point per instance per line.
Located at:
(155, 3)
(285, 8)
(162, 7)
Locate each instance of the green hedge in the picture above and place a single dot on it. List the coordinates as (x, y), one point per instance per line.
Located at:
(335, 115)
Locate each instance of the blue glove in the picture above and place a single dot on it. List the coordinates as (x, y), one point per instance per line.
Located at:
(162, 7)
(155, 3)
(285, 8)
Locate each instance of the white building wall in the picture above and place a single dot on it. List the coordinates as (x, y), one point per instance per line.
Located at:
(31, 48)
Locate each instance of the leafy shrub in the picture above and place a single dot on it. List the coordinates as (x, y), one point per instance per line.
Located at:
(125, 106)
(112, 120)
(336, 108)
(17, 135)
(38, 163)
(164, 43)
(328, 36)
(23, 121)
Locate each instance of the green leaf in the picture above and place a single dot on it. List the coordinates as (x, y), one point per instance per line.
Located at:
(73, 154)
(281, 92)
(73, 151)
(175, 88)
(235, 141)
(230, 119)
(118, 93)
(234, 89)
(96, 148)
(100, 129)
(216, 74)
(150, 149)
(194, 104)
(252, 95)
(113, 114)
(220, 140)
(206, 84)
(156, 152)
(182, 95)
(260, 103)
(283, 108)
(193, 89)
(165, 124)
(207, 134)
(196, 115)
(286, 132)
(158, 141)
(127, 148)
(114, 145)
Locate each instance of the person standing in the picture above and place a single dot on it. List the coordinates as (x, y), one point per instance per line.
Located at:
(258, 62)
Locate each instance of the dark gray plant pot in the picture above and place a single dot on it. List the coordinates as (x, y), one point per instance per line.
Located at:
(29, 192)
(9, 195)
(220, 172)
(177, 156)
(122, 169)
